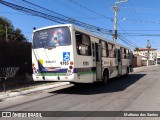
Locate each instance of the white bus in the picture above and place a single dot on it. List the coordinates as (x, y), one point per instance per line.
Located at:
(68, 53)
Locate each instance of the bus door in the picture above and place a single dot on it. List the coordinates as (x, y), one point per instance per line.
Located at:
(98, 60)
(119, 62)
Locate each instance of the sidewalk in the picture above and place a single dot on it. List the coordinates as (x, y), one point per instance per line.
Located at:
(30, 89)
(39, 87)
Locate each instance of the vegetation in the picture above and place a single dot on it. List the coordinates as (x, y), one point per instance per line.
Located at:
(136, 49)
(8, 33)
(15, 51)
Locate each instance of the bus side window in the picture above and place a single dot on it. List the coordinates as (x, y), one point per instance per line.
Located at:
(111, 50)
(83, 43)
(104, 50)
(107, 51)
(122, 52)
(93, 48)
(125, 54)
(78, 41)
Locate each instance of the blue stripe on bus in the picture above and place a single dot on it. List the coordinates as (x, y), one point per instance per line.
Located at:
(64, 70)
(75, 70)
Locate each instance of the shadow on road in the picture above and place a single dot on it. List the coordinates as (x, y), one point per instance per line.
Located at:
(114, 85)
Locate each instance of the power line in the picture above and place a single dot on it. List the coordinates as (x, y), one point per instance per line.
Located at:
(51, 11)
(91, 10)
(151, 10)
(140, 30)
(98, 28)
(5, 12)
(123, 39)
(79, 12)
(143, 21)
(129, 34)
(134, 34)
(12, 13)
(136, 16)
(56, 17)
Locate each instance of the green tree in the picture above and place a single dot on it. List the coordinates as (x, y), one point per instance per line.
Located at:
(136, 49)
(7, 31)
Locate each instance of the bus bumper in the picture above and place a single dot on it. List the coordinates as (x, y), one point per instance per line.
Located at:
(67, 78)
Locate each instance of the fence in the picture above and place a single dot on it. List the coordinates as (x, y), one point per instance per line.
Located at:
(6, 72)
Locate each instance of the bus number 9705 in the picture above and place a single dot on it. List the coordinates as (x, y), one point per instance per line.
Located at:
(64, 63)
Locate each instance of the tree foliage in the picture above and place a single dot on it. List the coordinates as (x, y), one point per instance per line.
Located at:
(136, 49)
(8, 33)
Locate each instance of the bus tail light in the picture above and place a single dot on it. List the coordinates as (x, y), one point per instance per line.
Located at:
(70, 67)
(33, 64)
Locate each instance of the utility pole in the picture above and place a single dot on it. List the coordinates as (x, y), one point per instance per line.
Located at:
(115, 21)
(6, 32)
(148, 55)
(155, 57)
(116, 9)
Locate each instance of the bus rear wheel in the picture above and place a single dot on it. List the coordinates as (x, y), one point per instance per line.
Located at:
(105, 78)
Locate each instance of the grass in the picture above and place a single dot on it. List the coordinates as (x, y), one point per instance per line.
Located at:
(22, 89)
(31, 87)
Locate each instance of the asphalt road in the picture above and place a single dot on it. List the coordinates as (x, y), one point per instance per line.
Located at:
(140, 91)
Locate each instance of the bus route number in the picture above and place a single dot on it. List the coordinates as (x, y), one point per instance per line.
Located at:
(64, 63)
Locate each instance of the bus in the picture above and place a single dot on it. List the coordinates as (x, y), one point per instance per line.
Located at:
(70, 54)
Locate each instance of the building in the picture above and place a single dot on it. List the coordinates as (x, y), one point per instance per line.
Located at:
(137, 61)
(158, 56)
(152, 58)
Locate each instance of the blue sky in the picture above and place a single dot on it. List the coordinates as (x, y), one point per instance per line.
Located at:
(138, 20)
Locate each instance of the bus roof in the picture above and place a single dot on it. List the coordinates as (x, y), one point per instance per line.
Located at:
(48, 27)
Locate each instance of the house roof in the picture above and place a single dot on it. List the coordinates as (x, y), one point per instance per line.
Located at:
(144, 49)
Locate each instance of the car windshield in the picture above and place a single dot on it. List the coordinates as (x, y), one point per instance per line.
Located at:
(52, 37)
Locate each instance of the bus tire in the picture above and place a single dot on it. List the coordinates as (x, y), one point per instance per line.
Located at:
(127, 71)
(105, 77)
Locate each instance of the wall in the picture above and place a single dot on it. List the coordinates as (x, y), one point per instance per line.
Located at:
(137, 61)
(16, 54)
(150, 62)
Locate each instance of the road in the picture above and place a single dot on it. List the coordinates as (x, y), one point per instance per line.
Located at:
(137, 92)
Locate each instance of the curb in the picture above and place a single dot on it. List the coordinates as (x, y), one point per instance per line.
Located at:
(4, 96)
(141, 68)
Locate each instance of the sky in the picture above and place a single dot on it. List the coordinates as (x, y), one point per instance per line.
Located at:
(138, 20)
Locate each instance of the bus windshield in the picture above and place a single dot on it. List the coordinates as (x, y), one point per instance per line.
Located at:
(52, 37)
